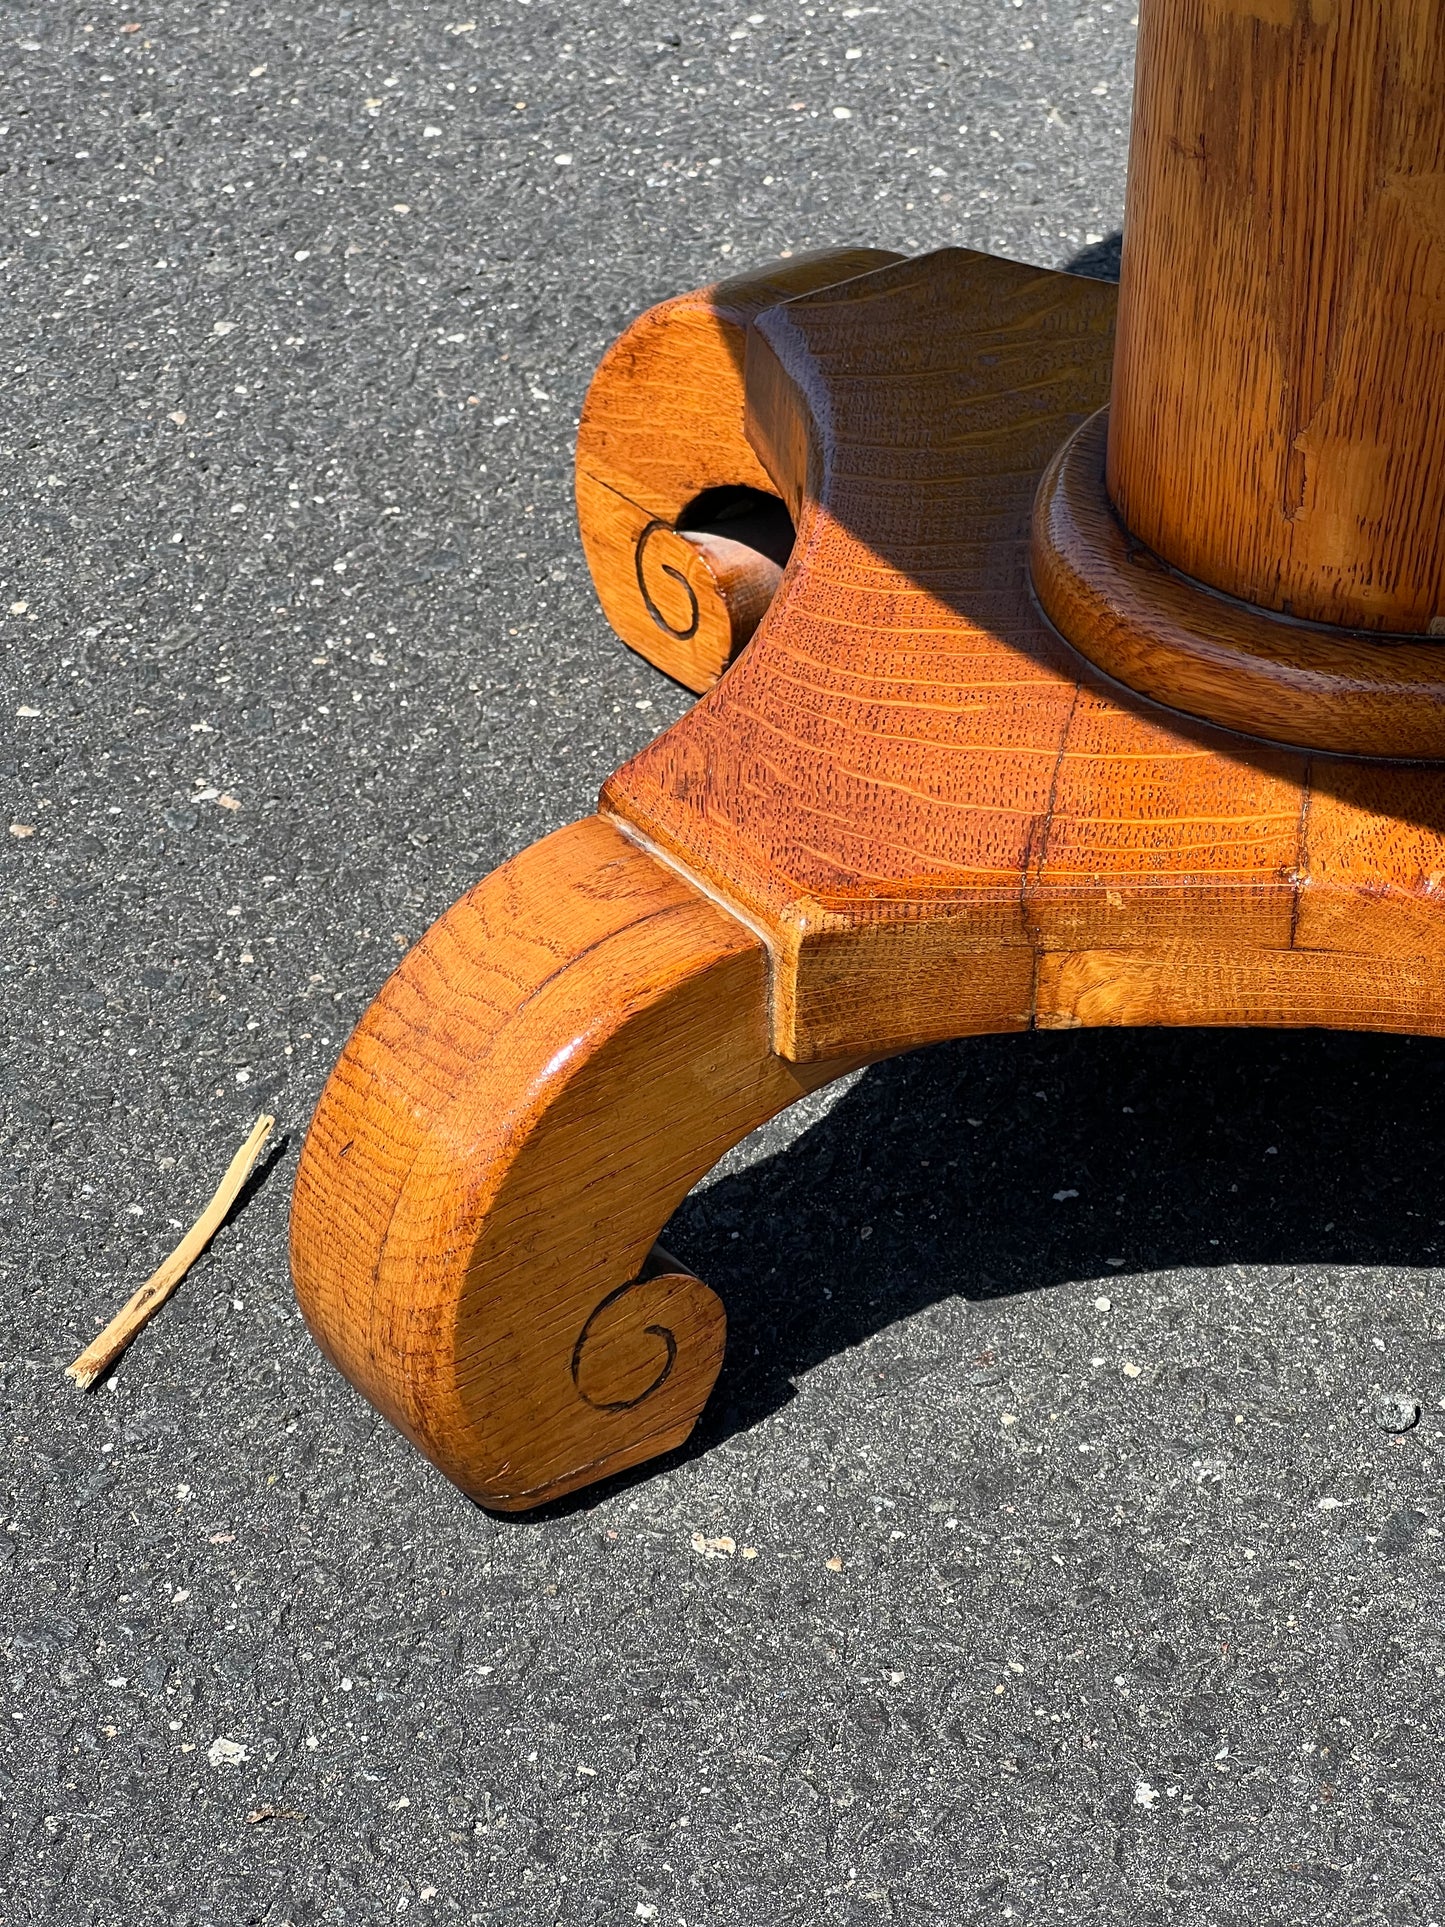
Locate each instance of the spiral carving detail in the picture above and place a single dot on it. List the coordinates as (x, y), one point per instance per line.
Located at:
(638, 559)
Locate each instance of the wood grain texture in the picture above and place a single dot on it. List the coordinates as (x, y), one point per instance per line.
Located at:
(661, 425)
(909, 810)
(1276, 989)
(1210, 655)
(1372, 865)
(915, 790)
(526, 1102)
(883, 753)
(1280, 383)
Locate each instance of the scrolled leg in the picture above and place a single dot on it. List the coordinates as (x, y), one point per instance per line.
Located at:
(540, 1083)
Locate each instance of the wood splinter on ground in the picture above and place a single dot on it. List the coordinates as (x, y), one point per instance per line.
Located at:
(107, 1346)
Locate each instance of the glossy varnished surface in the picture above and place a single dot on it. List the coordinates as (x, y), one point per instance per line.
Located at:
(1281, 377)
(908, 812)
(1313, 685)
(662, 425)
(915, 789)
(534, 1091)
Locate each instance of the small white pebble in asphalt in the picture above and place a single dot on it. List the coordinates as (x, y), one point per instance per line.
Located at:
(1130, 1370)
(224, 1752)
(1144, 1794)
(1102, 1303)
(1059, 1196)
(842, 113)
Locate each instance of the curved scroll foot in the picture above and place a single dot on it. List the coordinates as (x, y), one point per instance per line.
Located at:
(532, 1094)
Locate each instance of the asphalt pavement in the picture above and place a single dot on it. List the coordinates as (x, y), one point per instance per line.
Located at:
(1079, 1567)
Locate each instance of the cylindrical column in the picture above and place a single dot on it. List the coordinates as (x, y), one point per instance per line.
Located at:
(1277, 427)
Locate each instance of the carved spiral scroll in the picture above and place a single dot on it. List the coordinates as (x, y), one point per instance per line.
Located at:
(631, 1342)
(689, 629)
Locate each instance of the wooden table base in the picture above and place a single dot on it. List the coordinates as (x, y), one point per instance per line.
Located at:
(908, 811)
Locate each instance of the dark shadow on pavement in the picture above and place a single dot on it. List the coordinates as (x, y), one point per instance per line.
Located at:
(936, 1175)
(1100, 260)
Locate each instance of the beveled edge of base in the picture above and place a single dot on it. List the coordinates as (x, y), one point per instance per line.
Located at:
(1209, 656)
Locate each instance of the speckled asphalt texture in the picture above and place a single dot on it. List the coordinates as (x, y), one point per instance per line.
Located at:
(1076, 1575)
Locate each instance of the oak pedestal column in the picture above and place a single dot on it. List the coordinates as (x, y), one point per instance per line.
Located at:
(1264, 545)
(1277, 420)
